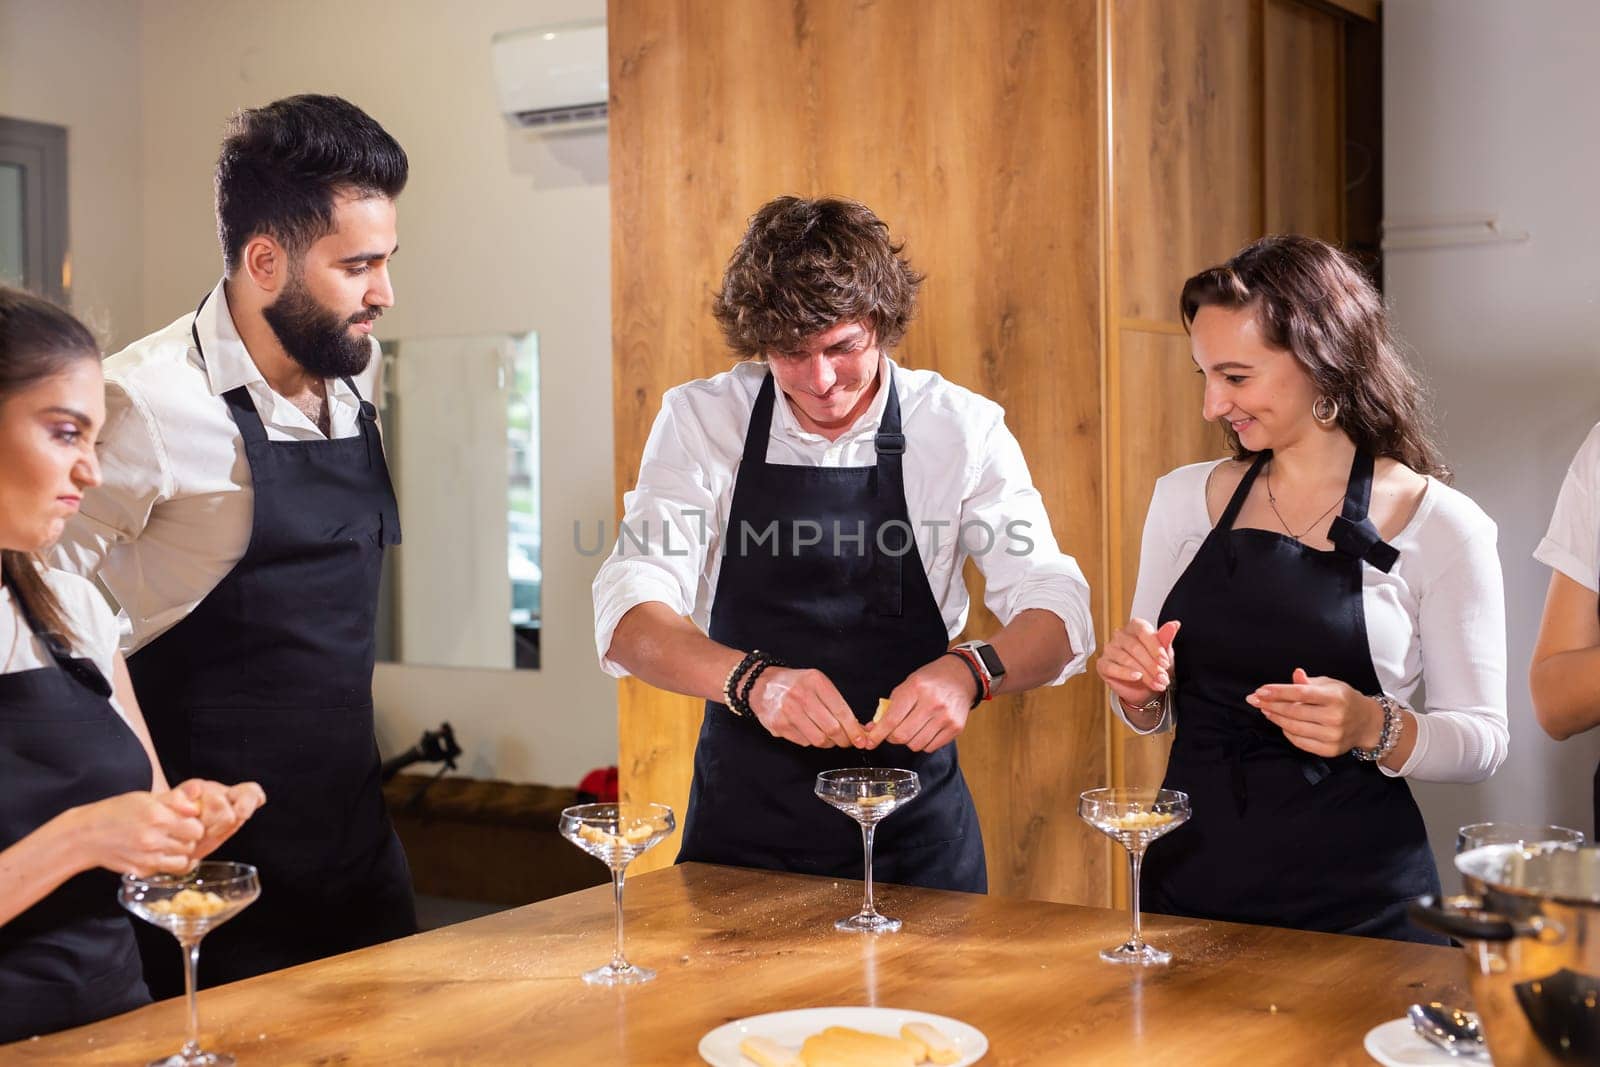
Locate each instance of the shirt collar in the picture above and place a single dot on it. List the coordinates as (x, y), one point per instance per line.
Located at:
(868, 421)
(226, 360)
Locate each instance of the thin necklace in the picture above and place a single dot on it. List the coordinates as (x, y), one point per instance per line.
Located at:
(1301, 536)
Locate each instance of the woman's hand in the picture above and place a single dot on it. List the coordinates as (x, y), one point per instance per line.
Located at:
(803, 706)
(222, 809)
(1137, 661)
(1323, 716)
(137, 833)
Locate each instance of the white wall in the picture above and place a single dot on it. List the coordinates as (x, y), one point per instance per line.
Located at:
(70, 63)
(498, 234)
(1488, 107)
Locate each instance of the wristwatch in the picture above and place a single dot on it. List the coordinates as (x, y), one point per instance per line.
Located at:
(988, 660)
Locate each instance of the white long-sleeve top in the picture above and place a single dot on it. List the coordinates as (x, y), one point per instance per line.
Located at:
(1572, 543)
(963, 471)
(1438, 615)
(173, 513)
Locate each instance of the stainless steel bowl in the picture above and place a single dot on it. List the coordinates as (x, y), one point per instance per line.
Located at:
(1531, 932)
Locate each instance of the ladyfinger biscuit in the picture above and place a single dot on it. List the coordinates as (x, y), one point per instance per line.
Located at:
(765, 1052)
(841, 1046)
(936, 1048)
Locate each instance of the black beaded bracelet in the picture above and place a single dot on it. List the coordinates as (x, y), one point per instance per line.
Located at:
(977, 679)
(730, 685)
(763, 661)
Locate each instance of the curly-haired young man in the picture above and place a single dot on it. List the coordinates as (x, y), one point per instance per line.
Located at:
(810, 510)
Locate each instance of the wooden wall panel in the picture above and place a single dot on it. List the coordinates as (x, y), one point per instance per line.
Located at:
(1302, 120)
(972, 130)
(1186, 142)
(1161, 398)
(1186, 192)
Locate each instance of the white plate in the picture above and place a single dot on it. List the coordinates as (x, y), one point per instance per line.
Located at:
(1397, 1044)
(720, 1047)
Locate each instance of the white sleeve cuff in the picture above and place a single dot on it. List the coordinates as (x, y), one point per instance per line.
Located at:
(1559, 557)
(1075, 619)
(1162, 725)
(627, 591)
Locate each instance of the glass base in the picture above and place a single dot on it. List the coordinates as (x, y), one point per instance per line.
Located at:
(199, 1059)
(609, 975)
(1135, 952)
(868, 923)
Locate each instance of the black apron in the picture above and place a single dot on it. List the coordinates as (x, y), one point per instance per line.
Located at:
(861, 612)
(269, 679)
(70, 959)
(1281, 837)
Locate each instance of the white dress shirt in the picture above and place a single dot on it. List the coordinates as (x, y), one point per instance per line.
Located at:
(173, 515)
(961, 466)
(94, 629)
(1438, 615)
(1572, 544)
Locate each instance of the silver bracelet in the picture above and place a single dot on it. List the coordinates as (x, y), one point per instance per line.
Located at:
(1390, 737)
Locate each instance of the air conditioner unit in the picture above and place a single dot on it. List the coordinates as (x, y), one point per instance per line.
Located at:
(553, 79)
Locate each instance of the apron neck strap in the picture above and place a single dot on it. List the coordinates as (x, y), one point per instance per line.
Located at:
(1231, 512)
(1352, 532)
(890, 442)
(85, 673)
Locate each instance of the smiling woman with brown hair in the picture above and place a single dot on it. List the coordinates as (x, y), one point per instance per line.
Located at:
(81, 795)
(1291, 599)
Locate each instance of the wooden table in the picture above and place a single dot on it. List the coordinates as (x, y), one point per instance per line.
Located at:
(729, 943)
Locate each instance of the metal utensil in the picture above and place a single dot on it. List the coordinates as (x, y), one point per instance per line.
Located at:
(1451, 1029)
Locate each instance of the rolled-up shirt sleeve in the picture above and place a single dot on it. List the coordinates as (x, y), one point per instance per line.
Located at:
(1572, 543)
(1462, 735)
(665, 536)
(1005, 528)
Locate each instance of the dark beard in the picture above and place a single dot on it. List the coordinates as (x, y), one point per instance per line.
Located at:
(315, 337)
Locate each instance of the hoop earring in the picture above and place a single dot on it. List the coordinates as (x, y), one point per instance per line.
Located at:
(1320, 410)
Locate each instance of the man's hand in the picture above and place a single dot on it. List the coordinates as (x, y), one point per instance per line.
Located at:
(803, 706)
(929, 709)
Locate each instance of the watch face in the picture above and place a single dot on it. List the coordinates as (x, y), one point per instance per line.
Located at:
(991, 660)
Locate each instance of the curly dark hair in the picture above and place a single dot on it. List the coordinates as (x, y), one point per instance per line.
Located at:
(281, 166)
(807, 265)
(1313, 301)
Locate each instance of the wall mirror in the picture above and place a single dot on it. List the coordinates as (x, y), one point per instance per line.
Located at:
(460, 422)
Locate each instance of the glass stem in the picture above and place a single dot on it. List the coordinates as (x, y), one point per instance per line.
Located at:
(618, 963)
(191, 981)
(1135, 861)
(868, 907)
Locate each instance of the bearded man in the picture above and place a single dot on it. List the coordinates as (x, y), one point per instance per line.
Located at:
(241, 526)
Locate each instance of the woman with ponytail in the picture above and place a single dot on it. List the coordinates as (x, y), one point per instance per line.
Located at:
(82, 797)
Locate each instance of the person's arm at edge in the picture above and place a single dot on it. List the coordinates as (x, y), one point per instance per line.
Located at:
(1564, 675)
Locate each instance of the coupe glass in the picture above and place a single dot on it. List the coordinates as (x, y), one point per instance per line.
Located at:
(1479, 834)
(868, 795)
(1134, 818)
(615, 834)
(189, 906)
